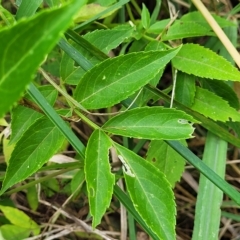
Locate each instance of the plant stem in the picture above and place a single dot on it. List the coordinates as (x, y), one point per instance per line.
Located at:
(138, 9)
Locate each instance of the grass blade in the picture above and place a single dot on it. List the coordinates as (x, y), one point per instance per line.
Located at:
(209, 199)
(56, 119)
(206, 171)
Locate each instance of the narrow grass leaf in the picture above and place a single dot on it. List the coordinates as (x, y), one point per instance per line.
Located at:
(151, 123)
(167, 160)
(150, 192)
(27, 8)
(34, 149)
(115, 79)
(213, 106)
(56, 120)
(209, 198)
(206, 171)
(17, 67)
(202, 62)
(100, 180)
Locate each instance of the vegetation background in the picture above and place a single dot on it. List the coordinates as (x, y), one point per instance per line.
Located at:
(100, 112)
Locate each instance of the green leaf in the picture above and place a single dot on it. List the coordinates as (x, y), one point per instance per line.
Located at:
(182, 29)
(32, 197)
(213, 106)
(52, 3)
(202, 62)
(6, 16)
(145, 17)
(90, 11)
(34, 149)
(105, 2)
(185, 89)
(223, 90)
(150, 192)
(100, 180)
(207, 123)
(167, 160)
(155, 12)
(197, 17)
(49, 93)
(24, 117)
(158, 26)
(17, 67)
(8, 231)
(117, 78)
(151, 123)
(108, 39)
(107, 11)
(57, 120)
(20, 219)
(27, 8)
(104, 40)
(77, 181)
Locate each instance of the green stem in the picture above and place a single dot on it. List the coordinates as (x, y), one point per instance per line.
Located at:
(129, 10)
(138, 9)
(86, 120)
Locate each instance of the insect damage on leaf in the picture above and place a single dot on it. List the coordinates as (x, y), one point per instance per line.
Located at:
(126, 169)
